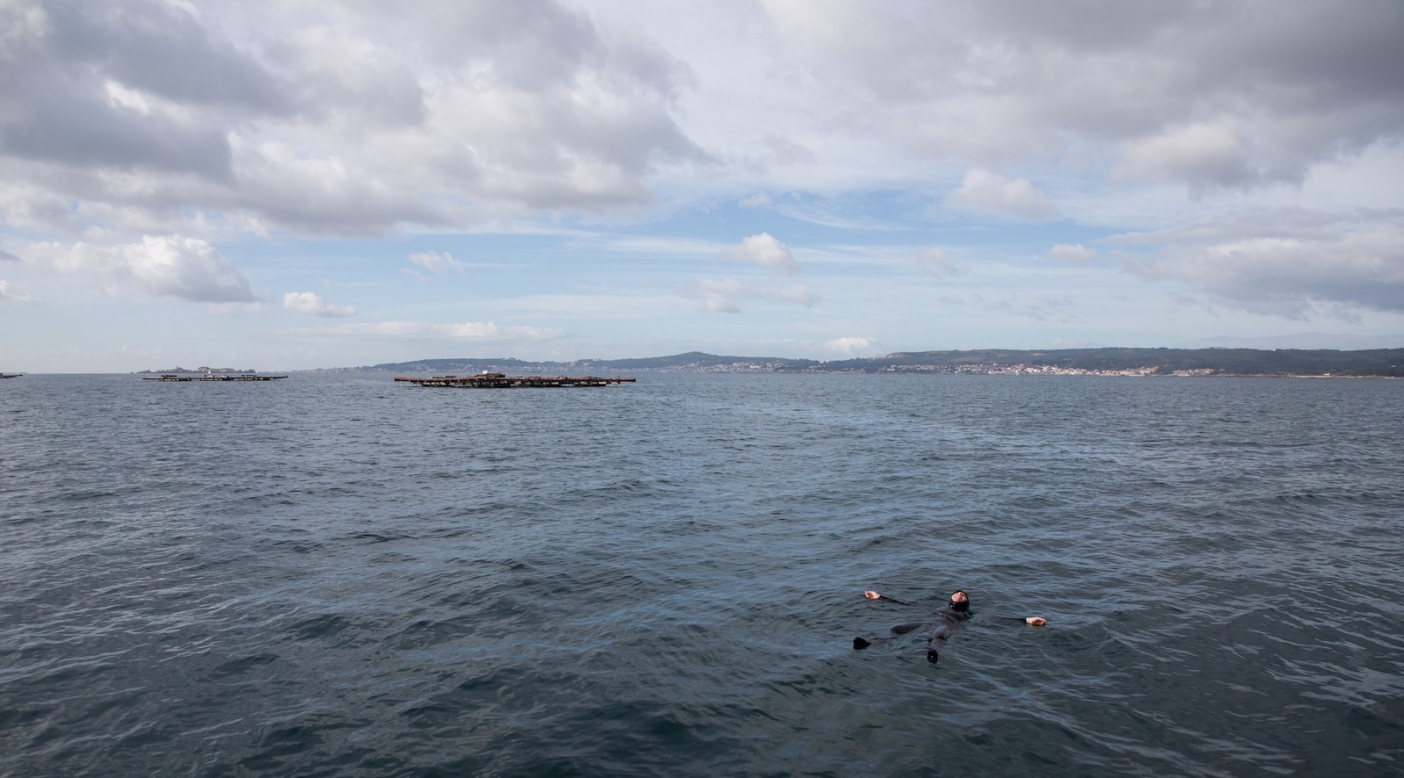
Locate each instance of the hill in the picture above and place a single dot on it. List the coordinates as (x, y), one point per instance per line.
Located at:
(1140, 361)
(1212, 361)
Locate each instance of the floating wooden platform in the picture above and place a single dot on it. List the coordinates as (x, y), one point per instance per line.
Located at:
(500, 381)
(212, 377)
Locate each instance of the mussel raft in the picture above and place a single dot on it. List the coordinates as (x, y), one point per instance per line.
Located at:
(500, 381)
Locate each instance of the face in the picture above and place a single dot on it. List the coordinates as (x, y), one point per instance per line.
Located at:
(959, 597)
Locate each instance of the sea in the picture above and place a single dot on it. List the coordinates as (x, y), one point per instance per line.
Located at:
(340, 575)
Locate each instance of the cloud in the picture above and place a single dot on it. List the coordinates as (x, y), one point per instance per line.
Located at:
(938, 263)
(160, 266)
(717, 296)
(483, 332)
(993, 193)
(765, 251)
(1218, 94)
(1073, 253)
(354, 119)
(1201, 154)
(726, 296)
(442, 264)
(319, 120)
(124, 85)
(8, 294)
(851, 345)
(312, 304)
(1342, 269)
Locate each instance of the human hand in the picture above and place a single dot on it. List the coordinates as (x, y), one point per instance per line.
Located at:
(1035, 621)
(872, 595)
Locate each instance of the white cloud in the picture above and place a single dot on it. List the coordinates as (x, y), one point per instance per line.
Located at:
(989, 192)
(717, 296)
(726, 296)
(11, 295)
(312, 304)
(484, 332)
(440, 263)
(765, 251)
(757, 200)
(851, 345)
(1073, 253)
(161, 266)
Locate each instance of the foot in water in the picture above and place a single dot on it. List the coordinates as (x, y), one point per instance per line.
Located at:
(860, 643)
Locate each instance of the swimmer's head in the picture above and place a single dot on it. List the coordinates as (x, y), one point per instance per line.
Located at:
(959, 601)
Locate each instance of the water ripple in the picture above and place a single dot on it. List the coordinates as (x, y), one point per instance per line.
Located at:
(333, 575)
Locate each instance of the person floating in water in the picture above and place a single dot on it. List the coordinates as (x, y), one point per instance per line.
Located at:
(939, 625)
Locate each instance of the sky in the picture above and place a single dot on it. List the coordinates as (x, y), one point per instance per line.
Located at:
(295, 184)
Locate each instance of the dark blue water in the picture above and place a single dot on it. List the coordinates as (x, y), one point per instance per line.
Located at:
(338, 575)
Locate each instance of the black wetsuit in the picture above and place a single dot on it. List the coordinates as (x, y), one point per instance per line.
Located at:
(940, 624)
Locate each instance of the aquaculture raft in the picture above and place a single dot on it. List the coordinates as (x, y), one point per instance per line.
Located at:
(500, 381)
(212, 377)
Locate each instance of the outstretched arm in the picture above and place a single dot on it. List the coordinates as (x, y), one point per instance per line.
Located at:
(1032, 621)
(871, 595)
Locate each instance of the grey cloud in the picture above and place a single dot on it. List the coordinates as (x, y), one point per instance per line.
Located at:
(162, 49)
(1231, 94)
(66, 61)
(556, 42)
(320, 196)
(535, 45)
(79, 129)
(1342, 270)
(358, 78)
(495, 108)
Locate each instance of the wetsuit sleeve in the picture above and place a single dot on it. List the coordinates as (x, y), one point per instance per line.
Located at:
(894, 599)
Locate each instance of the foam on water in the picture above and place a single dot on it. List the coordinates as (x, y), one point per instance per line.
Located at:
(336, 575)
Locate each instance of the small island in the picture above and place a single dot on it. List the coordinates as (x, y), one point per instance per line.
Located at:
(202, 370)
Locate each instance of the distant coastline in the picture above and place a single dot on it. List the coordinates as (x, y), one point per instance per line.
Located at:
(1315, 363)
(200, 370)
